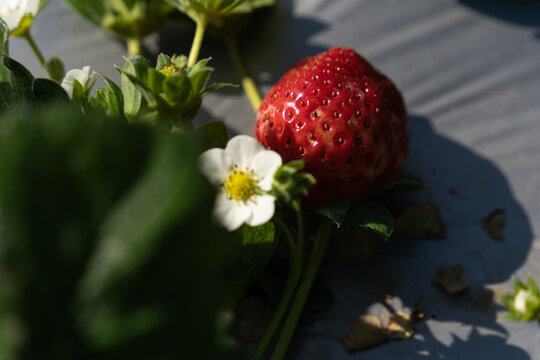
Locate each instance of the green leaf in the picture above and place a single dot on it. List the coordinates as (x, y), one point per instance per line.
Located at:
(257, 249)
(336, 211)
(214, 134)
(132, 96)
(4, 42)
(401, 184)
(372, 215)
(92, 10)
(46, 90)
(177, 88)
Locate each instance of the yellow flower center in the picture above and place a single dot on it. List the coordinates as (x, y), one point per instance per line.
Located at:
(240, 185)
(169, 69)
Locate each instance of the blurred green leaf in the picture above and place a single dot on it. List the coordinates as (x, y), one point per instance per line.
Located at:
(257, 249)
(21, 79)
(132, 96)
(46, 91)
(214, 135)
(108, 250)
(124, 18)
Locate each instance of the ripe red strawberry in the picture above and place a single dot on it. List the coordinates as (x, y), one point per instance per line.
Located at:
(345, 119)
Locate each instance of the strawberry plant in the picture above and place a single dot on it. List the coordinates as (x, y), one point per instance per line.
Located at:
(121, 220)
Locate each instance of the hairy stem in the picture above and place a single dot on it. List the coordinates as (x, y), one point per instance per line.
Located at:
(35, 49)
(248, 83)
(295, 273)
(134, 46)
(197, 42)
(304, 288)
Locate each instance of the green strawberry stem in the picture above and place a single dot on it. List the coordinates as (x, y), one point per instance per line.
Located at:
(35, 49)
(197, 41)
(134, 46)
(285, 230)
(301, 296)
(248, 83)
(295, 273)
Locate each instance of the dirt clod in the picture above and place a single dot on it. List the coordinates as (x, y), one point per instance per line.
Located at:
(420, 221)
(451, 279)
(494, 224)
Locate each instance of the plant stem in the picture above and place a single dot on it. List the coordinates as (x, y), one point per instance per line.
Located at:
(285, 232)
(197, 42)
(35, 49)
(300, 298)
(248, 83)
(134, 46)
(295, 273)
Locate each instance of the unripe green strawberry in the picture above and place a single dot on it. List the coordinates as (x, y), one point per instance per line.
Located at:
(345, 119)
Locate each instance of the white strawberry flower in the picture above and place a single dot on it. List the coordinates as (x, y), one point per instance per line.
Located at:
(82, 76)
(18, 14)
(243, 172)
(522, 298)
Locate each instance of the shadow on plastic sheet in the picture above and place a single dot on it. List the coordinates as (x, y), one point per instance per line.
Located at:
(519, 12)
(270, 44)
(467, 187)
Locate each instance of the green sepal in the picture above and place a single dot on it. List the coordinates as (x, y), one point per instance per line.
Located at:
(177, 88)
(79, 95)
(372, 215)
(162, 60)
(214, 135)
(289, 183)
(198, 80)
(132, 96)
(55, 69)
(111, 98)
(180, 61)
(155, 80)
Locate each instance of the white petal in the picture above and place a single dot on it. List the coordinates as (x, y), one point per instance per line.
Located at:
(262, 209)
(265, 165)
(32, 7)
(230, 213)
(12, 15)
(81, 75)
(242, 149)
(215, 164)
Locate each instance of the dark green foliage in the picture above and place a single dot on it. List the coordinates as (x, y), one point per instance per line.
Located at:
(107, 247)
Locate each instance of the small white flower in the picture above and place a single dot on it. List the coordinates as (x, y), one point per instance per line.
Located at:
(521, 300)
(18, 14)
(82, 76)
(244, 172)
